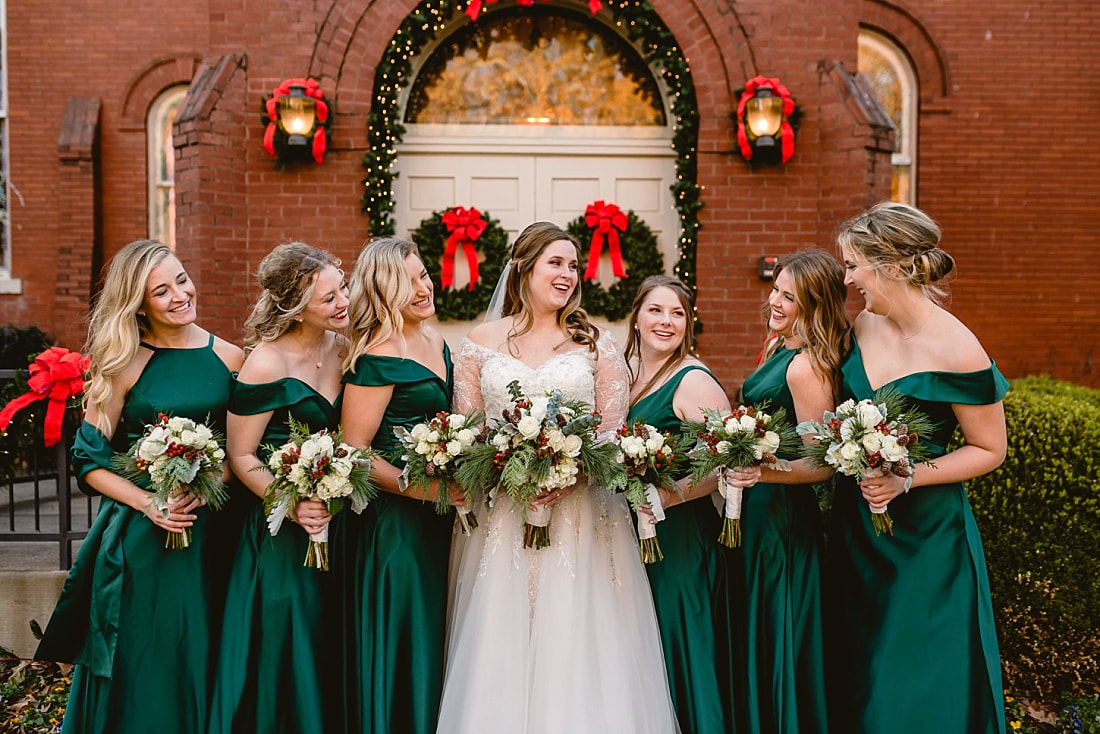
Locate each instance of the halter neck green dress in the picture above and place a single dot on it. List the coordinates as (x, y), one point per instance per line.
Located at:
(781, 530)
(135, 616)
(273, 672)
(916, 644)
(696, 593)
(393, 560)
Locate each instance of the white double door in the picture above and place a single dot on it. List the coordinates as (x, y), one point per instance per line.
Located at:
(518, 187)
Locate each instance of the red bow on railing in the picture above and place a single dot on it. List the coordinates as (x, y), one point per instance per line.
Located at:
(465, 226)
(786, 132)
(607, 220)
(57, 375)
(473, 8)
(313, 89)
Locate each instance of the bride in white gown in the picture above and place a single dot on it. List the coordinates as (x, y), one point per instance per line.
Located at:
(562, 639)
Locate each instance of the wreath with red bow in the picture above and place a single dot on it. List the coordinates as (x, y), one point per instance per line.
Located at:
(460, 234)
(275, 138)
(634, 257)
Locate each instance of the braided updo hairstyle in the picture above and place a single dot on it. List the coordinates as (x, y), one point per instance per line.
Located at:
(287, 275)
(892, 234)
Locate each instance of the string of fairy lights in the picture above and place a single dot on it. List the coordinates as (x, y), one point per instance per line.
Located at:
(639, 23)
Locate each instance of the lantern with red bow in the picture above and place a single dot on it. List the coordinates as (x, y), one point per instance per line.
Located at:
(766, 119)
(297, 118)
(56, 375)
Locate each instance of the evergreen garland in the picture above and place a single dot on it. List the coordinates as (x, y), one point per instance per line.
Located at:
(462, 304)
(641, 256)
(642, 27)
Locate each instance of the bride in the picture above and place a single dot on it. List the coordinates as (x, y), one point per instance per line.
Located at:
(562, 639)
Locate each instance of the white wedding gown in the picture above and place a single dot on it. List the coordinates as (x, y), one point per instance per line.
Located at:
(562, 639)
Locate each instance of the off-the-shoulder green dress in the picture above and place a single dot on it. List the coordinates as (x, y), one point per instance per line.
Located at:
(279, 635)
(916, 648)
(135, 616)
(393, 560)
(781, 531)
(696, 596)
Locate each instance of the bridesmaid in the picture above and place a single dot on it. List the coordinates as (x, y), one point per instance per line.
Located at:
(917, 648)
(398, 373)
(697, 604)
(272, 674)
(780, 520)
(135, 616)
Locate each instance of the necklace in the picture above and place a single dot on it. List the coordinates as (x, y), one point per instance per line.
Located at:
(306, 352)
(922, 325)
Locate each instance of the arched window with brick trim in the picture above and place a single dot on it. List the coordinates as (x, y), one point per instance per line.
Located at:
(891, 75)
(162, 165)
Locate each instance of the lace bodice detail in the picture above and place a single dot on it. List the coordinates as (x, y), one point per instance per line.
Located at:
(598, 378)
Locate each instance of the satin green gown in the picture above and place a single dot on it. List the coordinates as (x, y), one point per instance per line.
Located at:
(394, 561)
(781, 531)
(134, 616)
(274, 673)
(696, 593)
(916, 645)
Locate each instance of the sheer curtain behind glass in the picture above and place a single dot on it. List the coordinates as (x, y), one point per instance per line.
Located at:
(890, 74)
(162, 165)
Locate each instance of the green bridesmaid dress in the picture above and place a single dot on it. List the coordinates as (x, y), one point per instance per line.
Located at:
(781, 530)
(696, 596)
(916, 645)
(135, 616)
(393, 561)
(272, 672)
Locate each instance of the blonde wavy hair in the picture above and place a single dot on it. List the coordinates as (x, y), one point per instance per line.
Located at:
(821, 324)
(288, 275)
(380, 289)
(686, 347)
(901, 243)
(572, 319)
(115, 328)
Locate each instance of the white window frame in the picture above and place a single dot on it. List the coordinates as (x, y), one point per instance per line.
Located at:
(905, 157)
(167, 101)
(8, 284)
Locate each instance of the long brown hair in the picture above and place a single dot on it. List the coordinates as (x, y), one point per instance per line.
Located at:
(380, 288)
(686, 347)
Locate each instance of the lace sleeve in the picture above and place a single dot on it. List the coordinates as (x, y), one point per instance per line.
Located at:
(467, 395)
(612, 386)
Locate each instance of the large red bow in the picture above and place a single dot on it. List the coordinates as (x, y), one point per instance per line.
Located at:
(465, 226)
(473, 8)
(786, 132)
(57, 375)
(313, 89)
(607, 220)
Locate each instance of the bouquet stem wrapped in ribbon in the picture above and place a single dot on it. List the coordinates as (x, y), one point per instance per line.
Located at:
(650, 459)
(434, 450)
(316, 466)
(871, 437)
(536, 446)
(746, 436)
(174, 453)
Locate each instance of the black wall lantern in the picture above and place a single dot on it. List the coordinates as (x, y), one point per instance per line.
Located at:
(764, 131)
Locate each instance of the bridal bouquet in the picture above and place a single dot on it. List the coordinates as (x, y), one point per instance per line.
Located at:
(746, 436)
(433, 450)
(538, 445)
(870, 438)
(650, 459)
(173, 453)
(316, 466)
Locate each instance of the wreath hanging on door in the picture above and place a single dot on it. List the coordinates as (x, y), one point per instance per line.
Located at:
(457, 235)
(634, 257)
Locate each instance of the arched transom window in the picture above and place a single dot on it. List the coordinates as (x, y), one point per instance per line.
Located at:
(890, 74)
(162, 165)
(533, 67)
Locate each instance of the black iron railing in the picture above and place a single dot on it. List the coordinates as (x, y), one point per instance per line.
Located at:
(39, 501)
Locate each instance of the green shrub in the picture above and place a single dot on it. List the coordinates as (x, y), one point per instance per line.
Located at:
(1039, 516)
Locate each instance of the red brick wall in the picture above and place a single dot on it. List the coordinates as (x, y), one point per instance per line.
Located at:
(1018, 202)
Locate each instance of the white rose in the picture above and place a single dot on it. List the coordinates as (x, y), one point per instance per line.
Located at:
(868, 414)
(850, 450)
(342, 467)
(770, 442)
(529, 426)
(732, 425)
(190, 438)
(556, 440)
(219, 454)
(419, 432)
(723, 447)
(310, 448)
(872, 442)
(454, 448)
(538, 408)
(423, 448)
(654, 443)
(748, 424)
(572, 446)
(466, 437)
(890, 449)
(456, 420)
(501, 441)
(178, 423)
(440, 458)
(432, 437)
